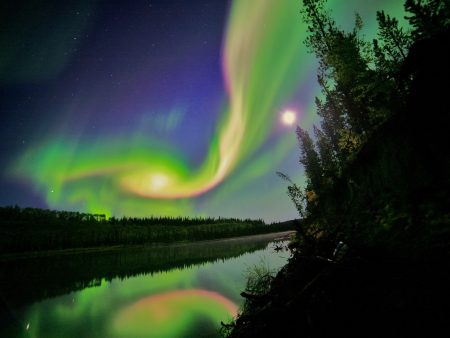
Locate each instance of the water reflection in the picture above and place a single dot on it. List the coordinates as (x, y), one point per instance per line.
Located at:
(171, 313)
(157, 292)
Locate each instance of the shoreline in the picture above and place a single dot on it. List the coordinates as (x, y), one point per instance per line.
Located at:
(101, 249)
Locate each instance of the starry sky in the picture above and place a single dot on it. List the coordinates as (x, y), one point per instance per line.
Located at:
(163, 107)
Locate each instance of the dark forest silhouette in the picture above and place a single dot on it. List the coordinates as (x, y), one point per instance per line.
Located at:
(32, 229)
(373, 245)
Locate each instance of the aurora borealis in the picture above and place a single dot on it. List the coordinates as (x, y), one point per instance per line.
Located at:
(157, 107)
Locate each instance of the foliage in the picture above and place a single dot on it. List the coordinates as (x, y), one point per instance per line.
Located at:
(30, 229)
(428, 17)
(296, 194)
(356, 165)
(376, 179)
(360, 91)
(259, 277)
(392, 45)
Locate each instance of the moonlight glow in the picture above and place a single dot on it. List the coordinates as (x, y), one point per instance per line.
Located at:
(288, 117)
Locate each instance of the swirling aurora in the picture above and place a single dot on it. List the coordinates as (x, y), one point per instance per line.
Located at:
(132, 172)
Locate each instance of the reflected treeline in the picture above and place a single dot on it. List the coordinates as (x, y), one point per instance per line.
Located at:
(23, 281)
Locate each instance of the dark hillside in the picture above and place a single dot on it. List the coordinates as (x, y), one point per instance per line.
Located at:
(390, 209)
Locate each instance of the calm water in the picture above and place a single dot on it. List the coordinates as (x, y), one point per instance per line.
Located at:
(173, 291)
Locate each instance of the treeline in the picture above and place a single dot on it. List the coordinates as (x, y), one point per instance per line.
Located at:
(377, 159)
(36, 216)
(31, 229)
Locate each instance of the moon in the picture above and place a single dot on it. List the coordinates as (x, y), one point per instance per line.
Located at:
(288, 117)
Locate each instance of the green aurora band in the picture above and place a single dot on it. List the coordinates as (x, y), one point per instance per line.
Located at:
(260, 70)
(264, 61)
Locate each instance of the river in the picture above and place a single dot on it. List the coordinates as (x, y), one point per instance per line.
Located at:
(182, 290)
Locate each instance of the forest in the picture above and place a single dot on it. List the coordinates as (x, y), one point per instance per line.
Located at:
(372, 249)
(32, 229)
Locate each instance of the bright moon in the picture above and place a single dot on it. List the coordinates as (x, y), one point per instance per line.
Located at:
(288, 117)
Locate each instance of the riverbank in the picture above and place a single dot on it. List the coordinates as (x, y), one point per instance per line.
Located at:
(357, 297)
(284, 235)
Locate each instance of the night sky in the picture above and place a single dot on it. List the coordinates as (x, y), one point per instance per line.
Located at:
(165, 107)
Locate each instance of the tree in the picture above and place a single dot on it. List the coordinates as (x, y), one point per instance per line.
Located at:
(428, 17)
(392, 45)
(359, 93)
(328, 158)
(342, 60)
(310, 160)
(296, 195)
